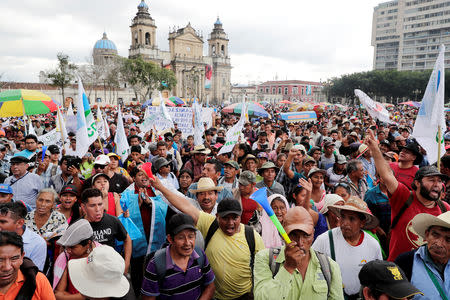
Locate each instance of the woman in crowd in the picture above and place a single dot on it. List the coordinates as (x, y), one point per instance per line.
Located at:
(69, 206)
(45, 220)
(269, 233)
(114, 166)
(111, 201)
(342, 189)
(318, 193)
(185, 179)
(78, 242)
(250, 163)
(331, 219)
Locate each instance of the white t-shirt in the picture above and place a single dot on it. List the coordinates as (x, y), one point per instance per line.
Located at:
(349, 258)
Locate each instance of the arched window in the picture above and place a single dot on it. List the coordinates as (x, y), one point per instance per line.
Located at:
(222, 50)
(147, 38)
(135, 38)
(213, 50)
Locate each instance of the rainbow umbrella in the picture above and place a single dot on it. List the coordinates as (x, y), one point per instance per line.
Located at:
(16, 103)
(176, 100)
(254, 108)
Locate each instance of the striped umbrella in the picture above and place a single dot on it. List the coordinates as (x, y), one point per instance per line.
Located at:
(16, 103)
(254, 108)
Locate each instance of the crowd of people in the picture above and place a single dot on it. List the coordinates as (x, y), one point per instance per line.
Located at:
(367, 215)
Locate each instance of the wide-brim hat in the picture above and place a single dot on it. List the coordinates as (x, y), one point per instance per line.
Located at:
(315, 170)
(100, 275)
(355, 205)
(249, 157)
(422, 222)
(414, 148)
(201, 149)
(160, 162)
(206, 184)
(267, 165)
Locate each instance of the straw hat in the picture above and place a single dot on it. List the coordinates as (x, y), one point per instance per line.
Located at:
(201, 149)
(422, 222)
(206, 184)
(357, 205)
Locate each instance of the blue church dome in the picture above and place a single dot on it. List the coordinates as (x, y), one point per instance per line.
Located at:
(104, 43)
(143, 4)
(218, 22)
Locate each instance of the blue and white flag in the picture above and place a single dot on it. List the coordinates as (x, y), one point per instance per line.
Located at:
(199, 129)
(82, 130)
(120, 139)
(431, 114)
(374, 108)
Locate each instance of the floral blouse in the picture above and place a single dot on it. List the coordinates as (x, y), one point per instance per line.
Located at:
(56, 225)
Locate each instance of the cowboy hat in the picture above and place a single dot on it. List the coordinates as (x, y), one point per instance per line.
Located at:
(414, 148)
(206, 184)
(267, 165)
(422, 222)
(357, 205)
(201, 149)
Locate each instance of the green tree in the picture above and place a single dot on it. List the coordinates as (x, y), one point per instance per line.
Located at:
(145, 77)
(63, 74)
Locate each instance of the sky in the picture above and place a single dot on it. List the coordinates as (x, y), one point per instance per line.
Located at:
(284, 39)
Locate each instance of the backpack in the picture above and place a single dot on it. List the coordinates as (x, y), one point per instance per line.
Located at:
(249, 236)
(323, 261)
(159, 257)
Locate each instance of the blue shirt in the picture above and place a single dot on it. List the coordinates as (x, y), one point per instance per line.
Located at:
(378, 204)
(26, 188)
(421, 280)
(35, 247)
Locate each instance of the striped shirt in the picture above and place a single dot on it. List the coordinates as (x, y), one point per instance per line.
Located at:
(178, 284)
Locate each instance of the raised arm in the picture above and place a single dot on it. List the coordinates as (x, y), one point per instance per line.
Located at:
(287, 164)
(382, 166)
(177, 200)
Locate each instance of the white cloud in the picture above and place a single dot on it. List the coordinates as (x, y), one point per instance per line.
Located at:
(307, 40)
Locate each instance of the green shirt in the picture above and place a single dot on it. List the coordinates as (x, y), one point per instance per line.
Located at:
(286, 286)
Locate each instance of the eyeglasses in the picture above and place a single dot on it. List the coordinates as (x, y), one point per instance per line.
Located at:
(99, 167)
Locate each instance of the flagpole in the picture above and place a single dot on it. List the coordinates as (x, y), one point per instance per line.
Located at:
(59, 116)
(439, 149)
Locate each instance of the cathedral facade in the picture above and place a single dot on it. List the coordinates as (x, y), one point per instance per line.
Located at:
(204, 77)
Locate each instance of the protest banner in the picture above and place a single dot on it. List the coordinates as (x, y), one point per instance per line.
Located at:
(299, 116)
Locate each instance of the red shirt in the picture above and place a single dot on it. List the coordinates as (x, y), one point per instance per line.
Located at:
(405, 176)
(403, 236)
(248, 208)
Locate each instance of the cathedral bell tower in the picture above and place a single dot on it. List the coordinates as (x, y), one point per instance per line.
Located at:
(143, 29)
(218, 41)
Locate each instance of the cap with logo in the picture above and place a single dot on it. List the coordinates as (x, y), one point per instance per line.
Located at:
(6, 189)
(388, 278)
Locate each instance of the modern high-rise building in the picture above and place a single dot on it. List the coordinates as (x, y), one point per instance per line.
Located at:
(406, 34)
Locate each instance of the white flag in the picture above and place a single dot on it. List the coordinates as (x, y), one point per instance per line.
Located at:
(90, 120)
(431, 114)
(198, 124)
(102, 126)
(163, 110)
(31, 128)
(120, 139)
(82, 131)
(61, 126)
(233, 134)
(375, 109)
(71, 120)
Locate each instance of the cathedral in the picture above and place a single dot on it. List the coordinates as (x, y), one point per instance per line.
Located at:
(204, 77)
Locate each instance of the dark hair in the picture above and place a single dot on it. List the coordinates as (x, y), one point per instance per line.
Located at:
(161, 143)
(216, 163)
(86, 241)
(90, 193)
(17, 209)
(134, 172)
(445, 161)
(31, 137)
(186, 171)
(134, 136)
(11, 238)
(342, 185)
(136, 148)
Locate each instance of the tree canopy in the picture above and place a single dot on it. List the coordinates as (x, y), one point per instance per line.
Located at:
(389, 84)
(63, 75)
(145, 77)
